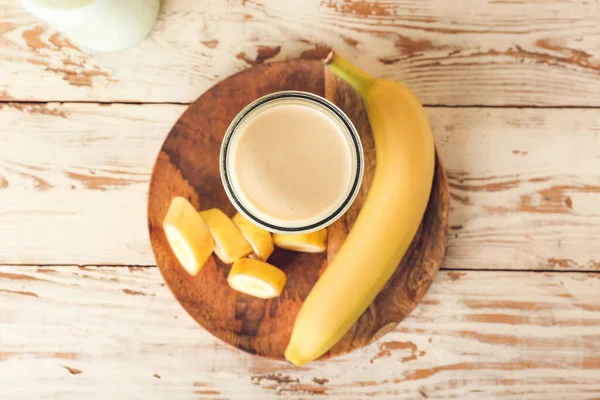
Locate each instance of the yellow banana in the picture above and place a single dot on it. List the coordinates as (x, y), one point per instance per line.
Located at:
(188, 235)
(260, 239)
(314, 242)
(386, 224)
(230, 244)
(256, 278)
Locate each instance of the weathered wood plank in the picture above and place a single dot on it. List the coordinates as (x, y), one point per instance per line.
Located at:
(118, 333)
(470, 52)
(525, 184)
(73, 181)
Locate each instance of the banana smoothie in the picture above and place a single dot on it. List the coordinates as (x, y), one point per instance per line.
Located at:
(292, 163)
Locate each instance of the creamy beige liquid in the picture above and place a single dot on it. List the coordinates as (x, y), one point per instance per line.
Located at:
(292, 162)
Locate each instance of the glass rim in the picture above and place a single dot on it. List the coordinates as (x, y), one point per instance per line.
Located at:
(356, 149)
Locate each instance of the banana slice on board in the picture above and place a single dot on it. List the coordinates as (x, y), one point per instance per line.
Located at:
(230, 244)
(260, 239)
(314, 242)
(188, 235)
(256, 278)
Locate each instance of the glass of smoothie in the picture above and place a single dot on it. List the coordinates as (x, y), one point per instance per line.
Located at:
(292, 162)
(98, 25)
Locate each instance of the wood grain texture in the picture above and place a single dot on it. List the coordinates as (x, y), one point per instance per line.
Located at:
(74, 178)
(509, 335)
(517, 191)
(188, 166)
(470, 52)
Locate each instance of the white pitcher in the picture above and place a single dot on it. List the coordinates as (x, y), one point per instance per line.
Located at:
(98, 25)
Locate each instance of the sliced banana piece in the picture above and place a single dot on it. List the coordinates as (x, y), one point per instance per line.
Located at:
(230, 244)
(260, 239)
(188, 235)
(314, 242)
(256, 278)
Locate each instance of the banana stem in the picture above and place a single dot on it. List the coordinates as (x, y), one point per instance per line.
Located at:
(356, 77)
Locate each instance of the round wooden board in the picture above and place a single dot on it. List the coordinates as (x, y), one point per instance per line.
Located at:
(188, 166)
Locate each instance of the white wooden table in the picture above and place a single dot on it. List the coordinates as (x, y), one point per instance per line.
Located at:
(513, 92)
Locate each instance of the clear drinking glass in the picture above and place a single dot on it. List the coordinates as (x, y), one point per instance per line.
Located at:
(335, 115)
(98, 25)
